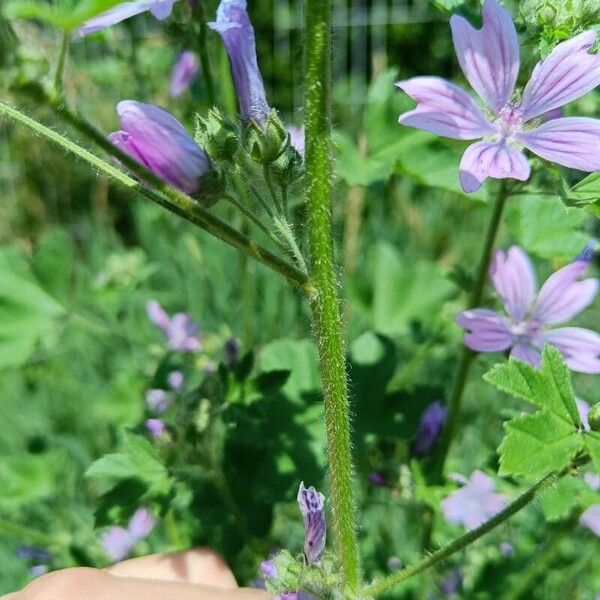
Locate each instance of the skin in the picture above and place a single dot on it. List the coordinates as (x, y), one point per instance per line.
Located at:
(195, 575)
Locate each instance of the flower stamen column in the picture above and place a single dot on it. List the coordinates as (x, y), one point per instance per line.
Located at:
(325, 302)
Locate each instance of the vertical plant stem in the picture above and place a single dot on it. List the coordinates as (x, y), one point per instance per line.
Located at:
(466, 355)
(60, 64)
(325, 302)
(203, 53)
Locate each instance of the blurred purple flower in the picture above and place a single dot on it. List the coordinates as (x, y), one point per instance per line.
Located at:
(591, 519)
(232, 351)
(311, 504)
(593, 480)
(161, 9)
(394, 564)
(489, 58)
(526, 329)
(268, 569)
(297, 138)
(38, 570)
(507, 549)
(155, 427)
(184, 72)
(118, 542)
(175, 379)
(157, 400)
(33, 553)
(377, 479)
(452, 583)
(430, 427)
(235, 28)
(181, 332)
(583, 408)
(475, 503)
(157, 140)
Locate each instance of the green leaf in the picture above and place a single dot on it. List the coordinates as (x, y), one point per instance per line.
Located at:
(547, 388)
(560, 237)
(139, 461)
(28, 314)
(559, 503)
(592, 444)
(586, 193)
(62, 17)
(538, 444)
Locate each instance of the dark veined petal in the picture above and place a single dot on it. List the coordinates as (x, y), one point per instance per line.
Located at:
(572, 142)
(491, 159)
(444, 109)
(489, 57)
(569, 72)
(513, 278)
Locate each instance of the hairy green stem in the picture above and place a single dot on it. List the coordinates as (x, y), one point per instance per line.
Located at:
(467, 355)
(170, 198)
(325, 302)
(379, 587)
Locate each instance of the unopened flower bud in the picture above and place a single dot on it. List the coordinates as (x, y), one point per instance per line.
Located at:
(288, 168)
(266, 145)
(311, 504)
(218, 135)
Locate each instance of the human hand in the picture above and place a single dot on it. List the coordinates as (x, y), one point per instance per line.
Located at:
(193, 575)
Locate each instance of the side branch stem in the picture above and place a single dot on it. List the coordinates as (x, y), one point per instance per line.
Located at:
(325, 302)
(379, 587)
(170, 198)
(467, 355)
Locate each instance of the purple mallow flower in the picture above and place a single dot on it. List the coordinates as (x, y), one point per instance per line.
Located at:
(185, 70)
(157, 400)
(160, 9)
(530, 315)
(311, 504)
(234, 26)
(591, 519)
(489, 59)
(181, 332)
(430, 427)
(155, 427)
(118, 542)
(475, 503)
(175, 379)
(157, 140)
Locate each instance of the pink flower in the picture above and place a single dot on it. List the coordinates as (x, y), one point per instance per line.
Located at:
(180, 331)
(475, 503)
(489, 58)
(118, 542)
(530, 315)
(185, 70)
(160, 9)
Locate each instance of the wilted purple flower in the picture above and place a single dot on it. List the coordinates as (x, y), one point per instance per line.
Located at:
(297, 138)
(234, 26)
(181, 332)
(311, 504)
(184, 71)
(377, 478)
(157, 140)
(489, 59)
(155, 427)
(161, 9)
(430, 427)
(175, 380)
(157, 400)
(526, 329)
(118, 542)
(591, 519)
(232, 351)
(475, 503)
